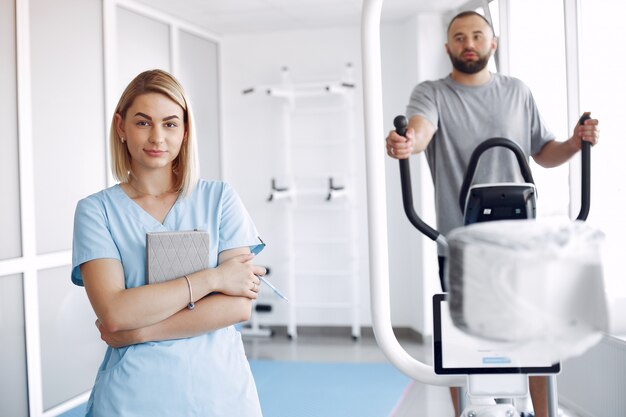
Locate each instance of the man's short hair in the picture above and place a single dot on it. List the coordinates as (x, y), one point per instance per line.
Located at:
(469, 13)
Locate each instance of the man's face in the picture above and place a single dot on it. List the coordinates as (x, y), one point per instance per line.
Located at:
(470, 44)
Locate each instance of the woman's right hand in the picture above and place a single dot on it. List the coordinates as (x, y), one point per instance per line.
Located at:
(237, 276)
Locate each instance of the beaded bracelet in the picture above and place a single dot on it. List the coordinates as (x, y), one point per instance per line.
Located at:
(191, 304)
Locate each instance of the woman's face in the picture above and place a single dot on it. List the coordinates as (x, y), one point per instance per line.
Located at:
(153, 130)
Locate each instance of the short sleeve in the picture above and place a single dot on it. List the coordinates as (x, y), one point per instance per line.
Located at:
(236, 226)
(422, 103)
(539, 132)
(92, 238)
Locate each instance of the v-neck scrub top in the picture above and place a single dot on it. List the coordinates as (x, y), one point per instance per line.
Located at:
(207, 375)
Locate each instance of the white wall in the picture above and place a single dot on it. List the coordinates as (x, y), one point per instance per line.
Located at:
(253, 135)
(251, 124)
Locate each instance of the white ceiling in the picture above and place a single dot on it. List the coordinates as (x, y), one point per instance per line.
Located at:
(224, 17)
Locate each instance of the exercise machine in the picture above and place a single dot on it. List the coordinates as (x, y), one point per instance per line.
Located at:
(377, 215)
(501, 372)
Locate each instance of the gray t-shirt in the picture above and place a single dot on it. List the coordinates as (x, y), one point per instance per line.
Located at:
(466, 116)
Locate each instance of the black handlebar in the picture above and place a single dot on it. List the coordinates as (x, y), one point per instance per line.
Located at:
(585, 192)
(400, 124)
(480, 149)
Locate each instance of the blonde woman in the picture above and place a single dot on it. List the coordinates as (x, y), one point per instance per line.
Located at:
(173, 350)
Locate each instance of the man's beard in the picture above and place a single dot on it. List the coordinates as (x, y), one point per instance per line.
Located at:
(470, 67)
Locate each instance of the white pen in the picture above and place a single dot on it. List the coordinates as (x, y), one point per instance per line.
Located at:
(278, 293)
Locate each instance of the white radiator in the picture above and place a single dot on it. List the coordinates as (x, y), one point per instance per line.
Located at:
(594, 384)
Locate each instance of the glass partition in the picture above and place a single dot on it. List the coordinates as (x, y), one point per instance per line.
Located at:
(11, 242)
(71, 348)
(13, 377)
(198, 72)
(142, 44)
(67, 113)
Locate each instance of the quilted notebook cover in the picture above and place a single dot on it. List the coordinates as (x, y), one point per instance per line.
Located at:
(174, 254)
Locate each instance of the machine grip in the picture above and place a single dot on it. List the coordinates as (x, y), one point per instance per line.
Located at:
(585, 183)
(400, 123)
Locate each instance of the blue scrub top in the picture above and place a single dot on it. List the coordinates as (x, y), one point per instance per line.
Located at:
(206, 375)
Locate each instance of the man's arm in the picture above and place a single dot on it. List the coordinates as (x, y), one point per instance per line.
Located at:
(555, 153)
(419, 133)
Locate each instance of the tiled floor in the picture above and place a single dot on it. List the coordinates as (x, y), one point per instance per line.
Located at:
(337, 346)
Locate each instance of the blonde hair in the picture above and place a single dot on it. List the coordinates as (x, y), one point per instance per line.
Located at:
(185, 166)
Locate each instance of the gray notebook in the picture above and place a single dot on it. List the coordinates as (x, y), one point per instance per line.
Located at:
(174, 254)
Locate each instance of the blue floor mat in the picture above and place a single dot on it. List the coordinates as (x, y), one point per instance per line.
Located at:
(313, 389)
(316, 389)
